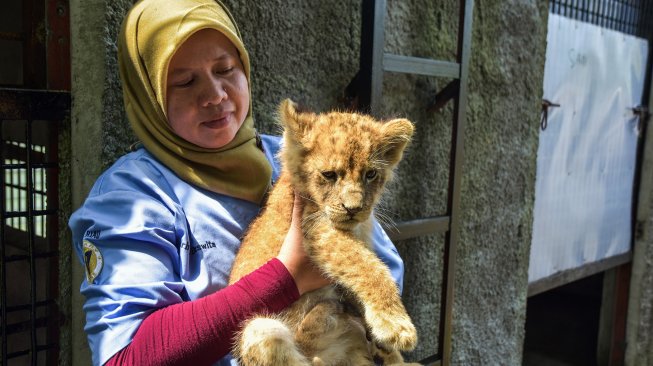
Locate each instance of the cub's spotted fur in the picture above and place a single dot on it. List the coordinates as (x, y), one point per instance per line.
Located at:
(339, 162)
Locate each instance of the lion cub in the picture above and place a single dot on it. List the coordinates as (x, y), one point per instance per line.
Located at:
(339, 162)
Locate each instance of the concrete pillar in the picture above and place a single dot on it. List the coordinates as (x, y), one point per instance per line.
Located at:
(639, 327)
(98, 126)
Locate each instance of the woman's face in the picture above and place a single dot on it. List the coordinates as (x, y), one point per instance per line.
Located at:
(207, 91)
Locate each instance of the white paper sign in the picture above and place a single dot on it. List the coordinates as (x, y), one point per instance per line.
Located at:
(587, 154)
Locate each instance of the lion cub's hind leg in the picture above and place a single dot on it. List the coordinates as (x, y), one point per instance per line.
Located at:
(331, 337)
(392, 358)
(268, 342)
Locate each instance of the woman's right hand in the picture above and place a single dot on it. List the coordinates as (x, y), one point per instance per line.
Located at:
(307, 276)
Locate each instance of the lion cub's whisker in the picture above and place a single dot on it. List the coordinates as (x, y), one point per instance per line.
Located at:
(385, 219)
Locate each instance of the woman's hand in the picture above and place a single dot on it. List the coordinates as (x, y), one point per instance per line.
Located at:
(292, 254)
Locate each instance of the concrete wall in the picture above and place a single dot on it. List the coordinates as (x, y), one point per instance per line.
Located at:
(639, 326)
(308, 50)
(498, 182)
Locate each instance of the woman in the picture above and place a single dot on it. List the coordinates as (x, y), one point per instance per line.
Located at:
(160, 228)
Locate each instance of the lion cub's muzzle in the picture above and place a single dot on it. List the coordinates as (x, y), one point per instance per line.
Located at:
(345, 218)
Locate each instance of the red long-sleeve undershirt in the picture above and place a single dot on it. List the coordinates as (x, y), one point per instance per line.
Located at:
(200, 332)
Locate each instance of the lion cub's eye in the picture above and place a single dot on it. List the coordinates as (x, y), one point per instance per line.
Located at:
(371, 174)
(329, 174)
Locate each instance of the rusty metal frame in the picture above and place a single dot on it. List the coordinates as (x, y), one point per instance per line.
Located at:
(373, 63)
(58, 45)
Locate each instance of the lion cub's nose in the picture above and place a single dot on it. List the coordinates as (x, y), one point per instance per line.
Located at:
(352, 210)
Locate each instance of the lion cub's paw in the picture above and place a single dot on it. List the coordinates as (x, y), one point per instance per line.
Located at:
(392, 332)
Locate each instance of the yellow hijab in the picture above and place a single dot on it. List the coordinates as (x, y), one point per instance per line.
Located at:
(151, 33)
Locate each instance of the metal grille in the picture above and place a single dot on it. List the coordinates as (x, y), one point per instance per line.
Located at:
(34, 48)
(29, 315)
(628, 16)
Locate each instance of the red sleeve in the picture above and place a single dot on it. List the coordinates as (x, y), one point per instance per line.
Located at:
(200, 332)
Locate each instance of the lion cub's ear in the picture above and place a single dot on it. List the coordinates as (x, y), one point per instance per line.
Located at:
(396, 135)
(294, 121)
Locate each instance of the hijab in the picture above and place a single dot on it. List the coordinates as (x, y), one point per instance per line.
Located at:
(151, 33)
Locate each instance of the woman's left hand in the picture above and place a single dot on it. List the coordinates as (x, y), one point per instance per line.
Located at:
(293, 255)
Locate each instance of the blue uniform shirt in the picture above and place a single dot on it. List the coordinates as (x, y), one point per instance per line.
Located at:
(149, 239)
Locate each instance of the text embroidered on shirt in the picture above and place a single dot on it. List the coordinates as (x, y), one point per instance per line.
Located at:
(92, 234)
(196, 248)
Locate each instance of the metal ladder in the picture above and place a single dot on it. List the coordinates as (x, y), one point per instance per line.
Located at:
(368, 92)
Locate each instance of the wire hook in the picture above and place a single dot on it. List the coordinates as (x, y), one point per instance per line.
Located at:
(546, 104)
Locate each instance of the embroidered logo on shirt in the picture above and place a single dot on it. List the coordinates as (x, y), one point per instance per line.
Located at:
(92, 260)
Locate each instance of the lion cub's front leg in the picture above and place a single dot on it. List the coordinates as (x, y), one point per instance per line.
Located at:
(370, 281)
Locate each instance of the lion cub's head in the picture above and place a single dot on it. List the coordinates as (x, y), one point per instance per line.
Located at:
(341, 161)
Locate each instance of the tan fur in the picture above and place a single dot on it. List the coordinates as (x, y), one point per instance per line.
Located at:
(339, 162)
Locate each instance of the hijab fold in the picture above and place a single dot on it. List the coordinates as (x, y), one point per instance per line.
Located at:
(151, 33)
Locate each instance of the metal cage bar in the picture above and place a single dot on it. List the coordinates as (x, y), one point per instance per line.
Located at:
(455, 176)
(30, 244)
(3, 267)
(629, 17)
